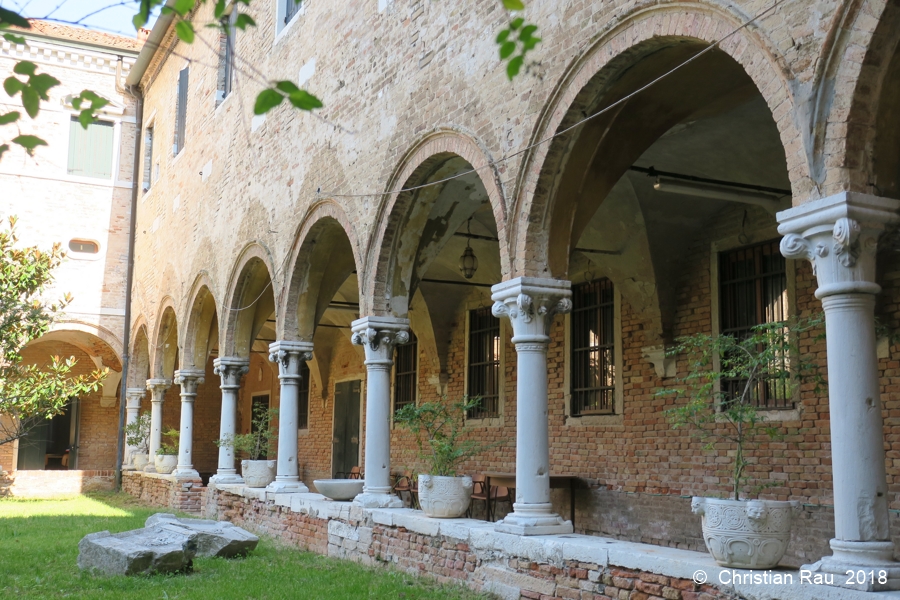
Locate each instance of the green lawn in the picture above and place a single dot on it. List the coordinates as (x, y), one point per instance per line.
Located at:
(39, 545)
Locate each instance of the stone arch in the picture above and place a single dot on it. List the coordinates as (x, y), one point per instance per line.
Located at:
(164, 342)
(249, 301)
(139, 361)
(421, 160)
(319, 263)
(637, 36)
(202, 329)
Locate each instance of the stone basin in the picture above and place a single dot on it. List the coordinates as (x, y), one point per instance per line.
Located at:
(339, 489)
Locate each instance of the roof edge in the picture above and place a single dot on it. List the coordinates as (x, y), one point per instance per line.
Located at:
(151, 46)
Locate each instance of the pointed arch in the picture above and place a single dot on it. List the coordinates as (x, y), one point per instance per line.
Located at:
(249, 301)
(164, 342)
(139, 362)
(202, 323)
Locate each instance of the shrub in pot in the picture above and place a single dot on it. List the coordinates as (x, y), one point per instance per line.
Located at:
(167, 455)
(257, 471)
(137, 435)
(438, 428)
(722, 410)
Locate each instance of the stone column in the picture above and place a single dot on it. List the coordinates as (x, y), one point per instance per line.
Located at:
(288, 355)
(132, 408)
(378, 336)
(189, 380)
(230, 370)
(157, 389)
(530, 305)
(839, 235)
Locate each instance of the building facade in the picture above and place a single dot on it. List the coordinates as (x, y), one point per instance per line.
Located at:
(658, 170)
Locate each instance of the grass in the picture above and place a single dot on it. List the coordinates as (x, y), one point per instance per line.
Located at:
(39, 546)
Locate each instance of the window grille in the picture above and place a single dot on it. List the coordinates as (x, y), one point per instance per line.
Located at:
(303, 397)
(148, 157)
(91, 149)
(291, 7)
(180, 110)
(84, 246)
(593, 364)
(753, 291)
(225, 75)
(484, 363)
(405, 372)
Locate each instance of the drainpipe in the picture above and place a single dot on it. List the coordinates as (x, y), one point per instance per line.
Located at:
(135, 92)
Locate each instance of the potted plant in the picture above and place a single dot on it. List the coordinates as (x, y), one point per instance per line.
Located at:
(167, 454)
(257, 471)
(137, 435)
(438, 427)
(722, 411)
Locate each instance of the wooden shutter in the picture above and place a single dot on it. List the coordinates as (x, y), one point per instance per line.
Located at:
(91, 149)
(148, 157)
(181, 110)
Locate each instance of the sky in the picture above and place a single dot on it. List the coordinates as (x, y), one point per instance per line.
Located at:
(114, 16)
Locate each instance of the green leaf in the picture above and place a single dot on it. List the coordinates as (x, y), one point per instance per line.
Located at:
(220, 9)
(42, 83)
(243, 21)
(13, 85)
(506, 50)
(24, 67)
(13, 38)
(86, 117)
(513, 5)
(185, 31)
(183, 7)
(516, 23)
(287, 87)
(31, 100)
(3, 148)
(29, 142)
(526, 32)
(8, 17)
(10, 117)
(514, 66)
(304, 100)
(266, 101)
(530, 44)
(501, 37)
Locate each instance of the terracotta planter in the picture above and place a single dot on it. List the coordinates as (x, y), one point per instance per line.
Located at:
(746, 534)
(139, 461)
(258, 473)
(445, 497)
(166, 463)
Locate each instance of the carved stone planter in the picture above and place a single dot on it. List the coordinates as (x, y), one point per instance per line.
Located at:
(445, 497)
(339, 489)
(258, 473)
(165, 463)
(746, 534)
(139, 461)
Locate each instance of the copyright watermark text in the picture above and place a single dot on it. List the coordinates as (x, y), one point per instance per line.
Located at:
(854, 577)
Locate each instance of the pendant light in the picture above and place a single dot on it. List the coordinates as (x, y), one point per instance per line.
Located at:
(468, 263)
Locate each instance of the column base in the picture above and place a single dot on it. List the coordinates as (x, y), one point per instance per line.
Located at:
(287, 487)
(227, 479)
(186, 473)
(864, 566)
(378, 500)
(533, 519)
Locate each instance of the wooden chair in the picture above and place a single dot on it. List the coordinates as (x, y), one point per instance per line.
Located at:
(405, 484)
(479, 494)
(499, 494)
(355, 473)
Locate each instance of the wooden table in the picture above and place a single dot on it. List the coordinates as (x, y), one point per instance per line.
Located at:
(508, 480)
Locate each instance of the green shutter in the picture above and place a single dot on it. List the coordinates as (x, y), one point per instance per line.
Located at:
(91, 149)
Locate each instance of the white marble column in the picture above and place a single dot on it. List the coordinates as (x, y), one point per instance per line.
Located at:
(530, 305)
(157, 389)
(378, 336)
(288, 355)
(839, 235)
(189, 380)
(133, 398)
(230, 370)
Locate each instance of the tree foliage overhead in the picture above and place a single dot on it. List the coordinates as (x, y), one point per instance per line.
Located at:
(30, 392)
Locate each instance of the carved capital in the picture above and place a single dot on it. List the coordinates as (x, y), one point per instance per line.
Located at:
(158, 388)
(288, 355)
(189, 380)
(133, 398)
(230, 370)
(530, 304)
(839, 236)
(379, 335)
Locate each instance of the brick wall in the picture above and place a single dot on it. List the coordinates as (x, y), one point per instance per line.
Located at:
(165, 491)
(52, 484)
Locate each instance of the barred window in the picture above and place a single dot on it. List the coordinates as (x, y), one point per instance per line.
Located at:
(290, 9)
(148, 157)
(181, 99)
(303, 397)
(753, 291)
(593, 377)
(484, 363)
(405, 367)
(225, 75)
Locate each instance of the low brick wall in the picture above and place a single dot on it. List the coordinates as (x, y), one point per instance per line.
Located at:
(166, 491)
(54, 484)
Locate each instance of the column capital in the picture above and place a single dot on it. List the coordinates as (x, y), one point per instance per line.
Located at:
(839, 236)
(231, 369)
(158, 386)
(378, 336)
(189, 380)
(289, 354)
(133, 397)
(530, 304)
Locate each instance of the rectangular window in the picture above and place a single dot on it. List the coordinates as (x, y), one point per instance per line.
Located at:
(753, 291)
(148, 157)
(303, 397)
(180, 111)
(405, 371)
(291, 7)
(225, 76)
(91, 149)
(484, 363)
(593, 339)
